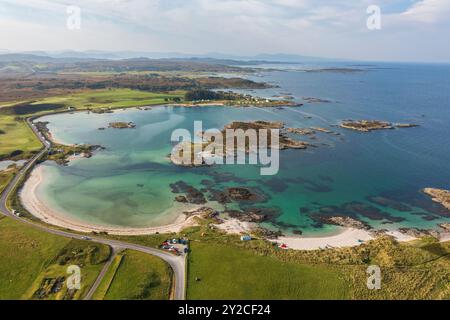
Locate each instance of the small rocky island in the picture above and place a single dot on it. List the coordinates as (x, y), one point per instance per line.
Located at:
(439, 195)
(122, 125)
(285, 142)
(370, 125)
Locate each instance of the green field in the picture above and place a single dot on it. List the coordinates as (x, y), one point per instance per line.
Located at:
(17, 136)
(102, 289)
(137, 276)
(28, 256)
(230, 273)
(113, 98)
(222, 267)
(5, 177)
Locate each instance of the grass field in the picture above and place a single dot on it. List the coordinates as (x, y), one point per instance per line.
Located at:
(5, 177)
(113, 98)
(229, 269)
(17, 136)
(28, 256)
(102, 289)
(230, 273)
(138, 276)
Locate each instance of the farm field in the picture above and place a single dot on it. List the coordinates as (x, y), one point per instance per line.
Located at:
(137, 276)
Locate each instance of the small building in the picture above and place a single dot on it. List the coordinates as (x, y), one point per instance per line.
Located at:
(246, 238)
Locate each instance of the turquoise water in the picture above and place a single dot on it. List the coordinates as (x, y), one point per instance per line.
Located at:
(128, 183)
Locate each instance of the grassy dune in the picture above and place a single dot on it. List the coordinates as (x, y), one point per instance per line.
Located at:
(417, 270)
(136, 276)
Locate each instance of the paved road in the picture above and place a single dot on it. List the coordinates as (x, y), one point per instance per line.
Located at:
(101, 275)
(177, 263)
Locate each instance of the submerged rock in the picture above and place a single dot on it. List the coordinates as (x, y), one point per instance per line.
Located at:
(181, 199)
(385, 202)
(192, 194)
(244, 194)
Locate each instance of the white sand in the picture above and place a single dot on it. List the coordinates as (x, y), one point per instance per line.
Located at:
(348, 238)
(234, 226)
(445, 237)
(35, 206)
(400, 236)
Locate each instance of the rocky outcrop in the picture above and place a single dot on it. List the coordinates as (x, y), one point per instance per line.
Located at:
(301, 131)
(203, 212)
(366, 125)
(406, 125)
(122, 125)
(254, 214)
(420, 233)
(268, 234)
(320, 129)
(246, 216)
(369, 125)
(439, 195)
(315, 100)
(343, 221)
(181, 199)
(244, 194)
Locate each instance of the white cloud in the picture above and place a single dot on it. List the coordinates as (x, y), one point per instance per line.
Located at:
(312, 27)
(429, 11)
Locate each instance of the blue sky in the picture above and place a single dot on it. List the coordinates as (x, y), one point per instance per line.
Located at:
(411, 30)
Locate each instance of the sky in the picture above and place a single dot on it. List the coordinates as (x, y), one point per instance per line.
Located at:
(410, 30)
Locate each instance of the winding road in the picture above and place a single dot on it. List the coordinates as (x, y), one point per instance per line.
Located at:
(177, 263)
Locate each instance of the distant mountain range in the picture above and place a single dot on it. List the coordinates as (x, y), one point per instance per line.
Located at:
(210, 57)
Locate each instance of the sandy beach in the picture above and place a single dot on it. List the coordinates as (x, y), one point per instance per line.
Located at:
(347, 238)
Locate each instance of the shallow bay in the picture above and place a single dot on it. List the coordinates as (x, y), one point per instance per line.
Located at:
(128, 183)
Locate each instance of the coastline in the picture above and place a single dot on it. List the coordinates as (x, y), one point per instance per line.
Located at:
(348, 237)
